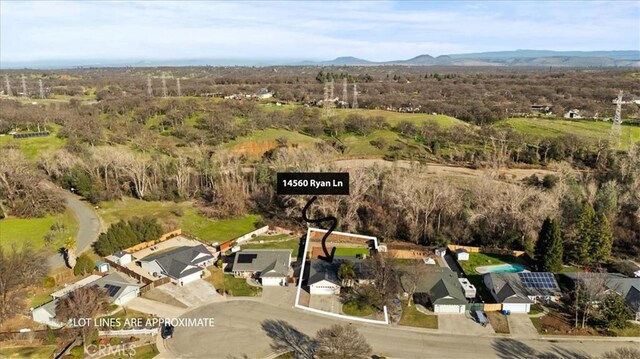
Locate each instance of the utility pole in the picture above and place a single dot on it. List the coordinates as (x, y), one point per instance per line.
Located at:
(179, 88)
(164, 86)
(355, 97)
(8, 85)
(149, 88)
(24, 86)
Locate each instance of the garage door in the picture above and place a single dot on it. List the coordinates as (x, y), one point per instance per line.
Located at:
(449, 308)
(272, 281)
(323, 290)
(516, 308)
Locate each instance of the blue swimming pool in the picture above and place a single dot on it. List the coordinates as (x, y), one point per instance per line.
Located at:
(501, 268)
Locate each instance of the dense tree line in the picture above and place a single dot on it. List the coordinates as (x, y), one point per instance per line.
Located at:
(127, 233)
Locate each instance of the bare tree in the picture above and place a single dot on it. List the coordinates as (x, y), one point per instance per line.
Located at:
(19, 268)
(383, 275)
(83, 303)
(341, 341)
(589, 291)
(622, 353)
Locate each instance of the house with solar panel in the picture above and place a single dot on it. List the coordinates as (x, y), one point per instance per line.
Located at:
(120, 290)
(183, 264)
(270, 266)
(517, 291)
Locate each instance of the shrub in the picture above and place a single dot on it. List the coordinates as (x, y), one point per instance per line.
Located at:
(378, 143)
(84, 265)
(49, 282)
(77, 351)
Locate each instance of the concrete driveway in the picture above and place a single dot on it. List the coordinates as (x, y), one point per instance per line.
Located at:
(520, 326)
(193, 294)
(279, 296)
(149, 306)
(327, 303)
(462, 323)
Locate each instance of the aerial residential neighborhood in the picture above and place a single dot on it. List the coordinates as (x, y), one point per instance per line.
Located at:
(319, 179)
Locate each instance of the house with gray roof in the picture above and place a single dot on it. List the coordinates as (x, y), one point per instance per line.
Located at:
(323, 276)
(518, 291)
(627, 287)
(270, 266)
(440, 288)
(183, 264)
(120, 289)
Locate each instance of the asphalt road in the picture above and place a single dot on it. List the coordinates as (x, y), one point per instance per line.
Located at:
(88, 227)
(246, 329)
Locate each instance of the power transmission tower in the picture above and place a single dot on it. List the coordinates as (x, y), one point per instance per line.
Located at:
(355, 97)
(24, 87)
(149, 88)
(41, 89)
(164, 86)
(327, 104)
(616, 128)
(8, 85)
(178, 86)
(344, 90)
(331, 90)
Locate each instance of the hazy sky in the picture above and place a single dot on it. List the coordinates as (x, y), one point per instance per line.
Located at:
(380, 30)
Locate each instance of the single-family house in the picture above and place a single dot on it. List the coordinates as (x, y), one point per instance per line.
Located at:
(122, 257)
(440, 288)
(183, 264)
(323, 276)
(264, 94)
(270, 266)
(462, 254)
(120, 289)
(542, 108)
(517, 291)
(68, 288)
(627, 287)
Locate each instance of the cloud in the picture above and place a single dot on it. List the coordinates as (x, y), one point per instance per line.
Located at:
(310, 30)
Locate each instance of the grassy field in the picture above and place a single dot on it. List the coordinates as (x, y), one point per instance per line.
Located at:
(281, 241)
(396, 117)
(32, 147)
(236, 287)
(32, 230)
(587, 129)
(40, 352)
(633, 330)
(180, 215)
(259, 142)
(360, 146)
(351, 252)
(40, 299)
(413, 318)
(352, 308)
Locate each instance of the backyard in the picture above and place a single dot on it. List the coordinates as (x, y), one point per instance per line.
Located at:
(236, 287)
(279, 241)
(351, 252)
(412, 317)
(484, 259)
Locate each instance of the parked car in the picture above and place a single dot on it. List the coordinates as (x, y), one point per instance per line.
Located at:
(167, 331)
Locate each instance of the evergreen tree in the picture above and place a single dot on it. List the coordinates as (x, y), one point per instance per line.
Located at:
(84, 265)
(615, 312)
(583, 237)
(602, 240)
(548, 249)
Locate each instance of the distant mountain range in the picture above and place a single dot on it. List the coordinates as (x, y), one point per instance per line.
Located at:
(517, 58)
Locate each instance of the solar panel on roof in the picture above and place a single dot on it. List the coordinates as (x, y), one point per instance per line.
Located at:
(111, 289)
(246, 258)
(538, 280)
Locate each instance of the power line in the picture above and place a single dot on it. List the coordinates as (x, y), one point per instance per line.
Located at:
(24, 86)
(149, 88)
(355, 97)
(178, 86)
(8, 85)
(41, 89)
(164, 86)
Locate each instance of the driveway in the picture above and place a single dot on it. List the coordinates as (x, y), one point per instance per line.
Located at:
(462, 323)
(284, 297)
(327, 303)
(248, 328)
(521, 326)
(156, 308)
(193, 294)
(88, 227)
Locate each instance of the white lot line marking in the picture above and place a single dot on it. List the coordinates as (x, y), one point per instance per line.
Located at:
(339, 316)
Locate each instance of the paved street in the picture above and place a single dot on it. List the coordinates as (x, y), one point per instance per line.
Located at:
(88, 227)
(242, 326)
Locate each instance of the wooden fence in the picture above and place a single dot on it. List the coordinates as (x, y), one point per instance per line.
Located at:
(492, 307)
(148, 244)
(154, 284)
(470, 249)
(408, 253)
(128, 271)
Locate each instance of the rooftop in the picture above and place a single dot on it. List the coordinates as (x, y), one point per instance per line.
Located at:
(269, 262)
(177, 262)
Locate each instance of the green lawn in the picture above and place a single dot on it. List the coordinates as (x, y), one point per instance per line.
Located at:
(487, 259)
(181, 215)
(586, 129)
(143, 352)
(236, 287)
(633, 330)
(40, 299)
(413, 318)
(352, 308)
(393, 118)
(33, 230)
(351, 252)
(40, 352)
(360, 146)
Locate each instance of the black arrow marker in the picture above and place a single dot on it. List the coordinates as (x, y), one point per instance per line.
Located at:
(334, 223)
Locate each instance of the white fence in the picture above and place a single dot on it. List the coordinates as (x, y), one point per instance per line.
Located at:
(250, 235)
(126, 332)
